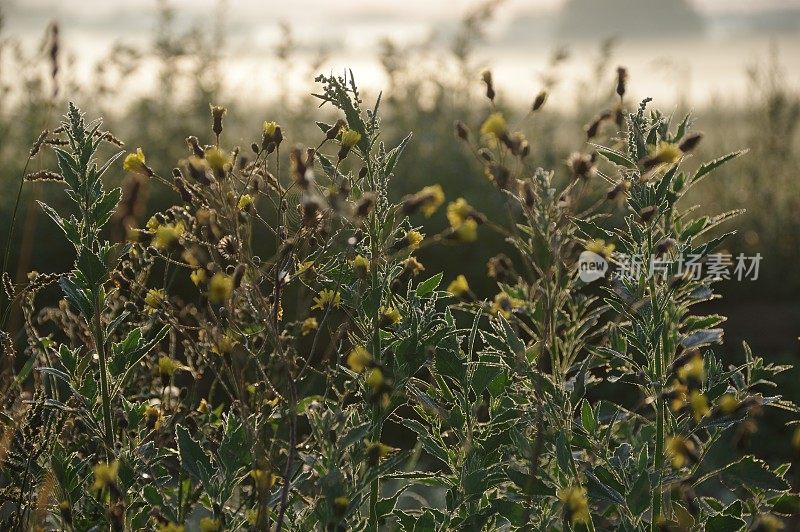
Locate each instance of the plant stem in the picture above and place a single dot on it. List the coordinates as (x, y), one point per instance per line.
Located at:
(100, 344)
(658, 458)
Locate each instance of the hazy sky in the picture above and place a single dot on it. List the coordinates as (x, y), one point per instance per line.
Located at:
(736, 34)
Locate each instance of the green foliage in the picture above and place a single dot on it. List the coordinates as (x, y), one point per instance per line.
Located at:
(266, 353)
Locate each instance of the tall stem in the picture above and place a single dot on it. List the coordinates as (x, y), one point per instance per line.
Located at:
(100, 344)
(658, 458)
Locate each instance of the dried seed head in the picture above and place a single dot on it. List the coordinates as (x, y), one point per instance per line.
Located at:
(217, 114)
(618, 191)
(311, 206)
(486, 75)
(594, 126)
(622, 81)
(648, 213)
(690, 142)
(365, 204)
(194, 145)
(334, 130)
(538, 102)
(528, 194)
(665, 245)
(238, 275)
(302, 175)
(228, 247)
(498, 174)
(38, 144)
(461, 130)
(581, 165)
(44, 175)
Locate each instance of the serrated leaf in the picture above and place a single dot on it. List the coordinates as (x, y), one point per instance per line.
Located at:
(194, 460)
(429, 285)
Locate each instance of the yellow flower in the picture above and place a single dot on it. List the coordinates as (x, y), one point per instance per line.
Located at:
(392, 315)
(796, 439)
(680, 451)
(431, 198)
(359, 359)
(220, 288)
(769, 523)
(304, 267)
(105, 475)
(263, 480)
(377, 450)
(575, 504)
(665, 153)
(152, 224)
(375, 380)
(693, 372)
(154, 299)
(504, 305)
(245, 201)
(166, 235)
(167, 366)
(679, 395)
(327, 298)
(467, 231)
(495, 125)
(699, 405)
(412, 265)
(380, 386)
(412, 239)
(600, 247)
(171, 527)
(224, 345)
(458, 211)
(269, 128)
(198, 276)
(309, 324)
(340, 505)
(209, 524)
(135, 163)
(360, 264)
(458, 286)
(153, 417)
(350, 138)
(728, 403)
(218, 160)
(203, 406)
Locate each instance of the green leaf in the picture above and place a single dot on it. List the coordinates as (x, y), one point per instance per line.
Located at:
(587, 417)
(710, 166)
(194, 460)
(76, 297)
(614, 156)
(724, 523)
(394, 155)
(104, 208)
(429, 285)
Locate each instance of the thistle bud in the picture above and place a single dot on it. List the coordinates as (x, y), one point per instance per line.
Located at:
(487, 79)
(622, 81)
(194, 144)
(690, 142)
(594, 126)
(334, 130)
(648, 213)
(538, 102)
(217, 114)
(364, 205)
(461, 130)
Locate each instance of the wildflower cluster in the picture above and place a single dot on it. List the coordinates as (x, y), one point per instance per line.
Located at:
(270, 352)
